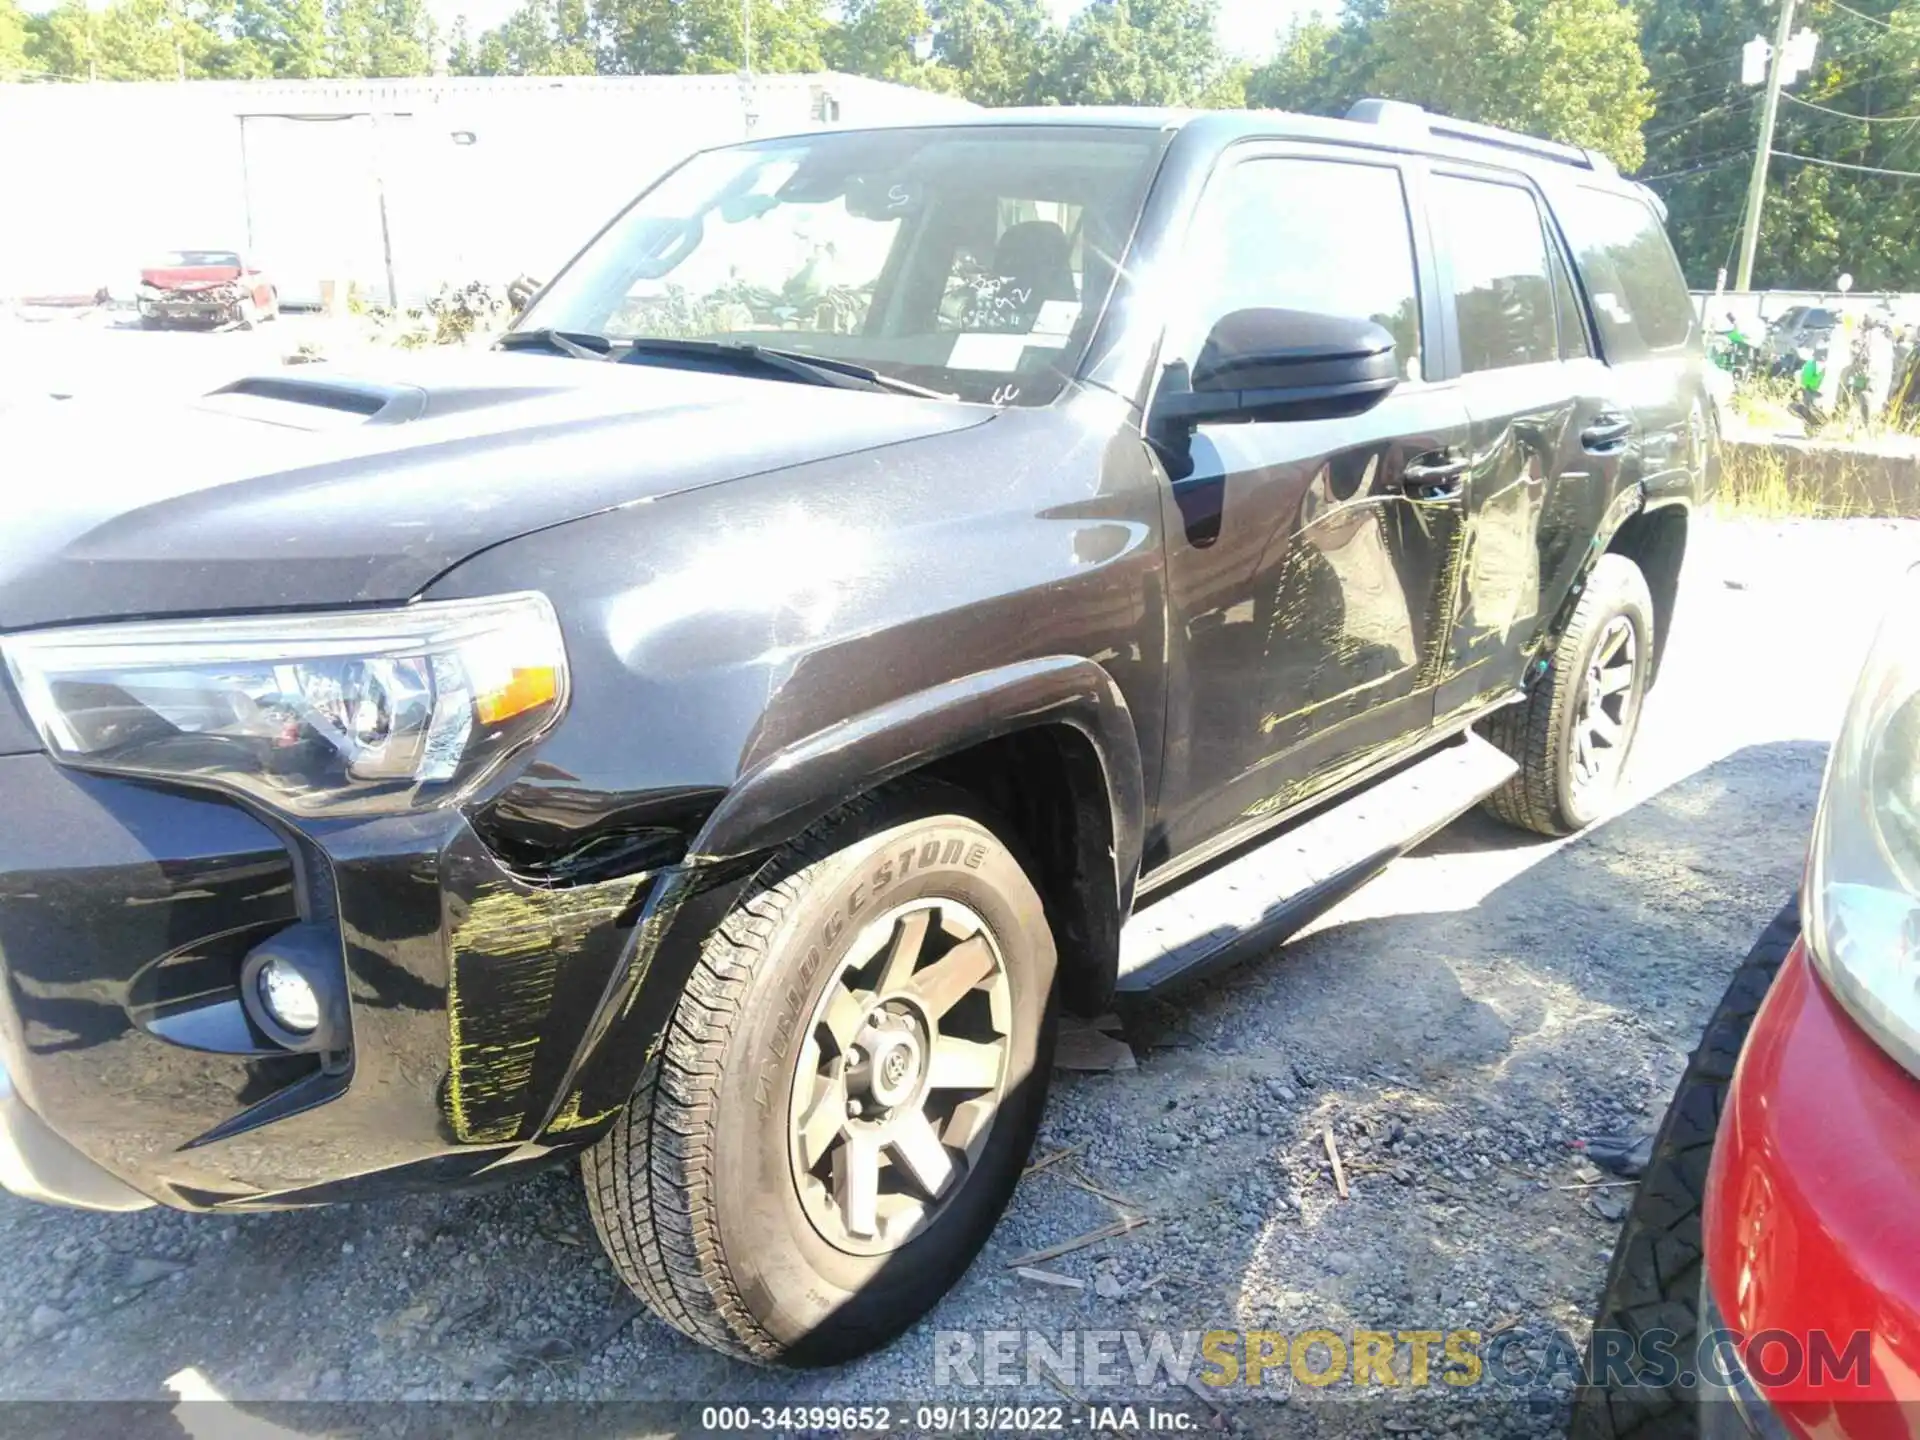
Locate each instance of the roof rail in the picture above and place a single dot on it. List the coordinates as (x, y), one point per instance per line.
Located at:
(1405, 116)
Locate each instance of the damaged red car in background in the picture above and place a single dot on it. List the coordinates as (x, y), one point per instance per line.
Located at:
(205, 287)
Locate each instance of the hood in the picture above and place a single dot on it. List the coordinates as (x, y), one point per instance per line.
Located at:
(189, 277)
(310, 488)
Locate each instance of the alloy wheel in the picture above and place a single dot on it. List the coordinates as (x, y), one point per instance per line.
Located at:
(1608, 708)
(900, 1075)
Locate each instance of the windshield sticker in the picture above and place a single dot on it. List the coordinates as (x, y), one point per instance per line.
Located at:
(973, 350)
(1057, 317)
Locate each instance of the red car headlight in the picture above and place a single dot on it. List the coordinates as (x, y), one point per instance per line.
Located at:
(1862, 901)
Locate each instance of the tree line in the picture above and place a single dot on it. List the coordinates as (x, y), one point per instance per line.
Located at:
(1652, 83)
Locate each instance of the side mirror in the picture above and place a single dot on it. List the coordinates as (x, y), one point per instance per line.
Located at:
(1277, 365)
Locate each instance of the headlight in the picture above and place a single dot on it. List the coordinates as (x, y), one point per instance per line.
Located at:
(357, 712)
(1863, 874)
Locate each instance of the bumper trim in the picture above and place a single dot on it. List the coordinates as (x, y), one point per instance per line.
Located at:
(1735, 1410)
(37, 1164)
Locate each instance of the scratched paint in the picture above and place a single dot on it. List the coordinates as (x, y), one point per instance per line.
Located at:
(511, 947)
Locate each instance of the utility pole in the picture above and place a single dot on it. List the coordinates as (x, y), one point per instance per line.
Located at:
(1763, 158)
(748, 100)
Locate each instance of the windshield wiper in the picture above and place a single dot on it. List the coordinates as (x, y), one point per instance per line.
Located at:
(787, 364)
(580, 344)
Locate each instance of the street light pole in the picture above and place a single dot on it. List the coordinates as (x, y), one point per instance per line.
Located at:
(1769, 113)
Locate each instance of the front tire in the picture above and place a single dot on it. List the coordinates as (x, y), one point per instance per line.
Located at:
(1653, 1284)
(846, 1092)
(1574, 732)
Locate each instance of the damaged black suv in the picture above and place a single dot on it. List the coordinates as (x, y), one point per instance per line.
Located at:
(893, 584)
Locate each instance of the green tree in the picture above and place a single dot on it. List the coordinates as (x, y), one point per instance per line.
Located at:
(1567, 69)
(13, 39)
(289, 37)
(1309, 70)
(997, 50)
(787, 35)
(1137, 52)
(885, 40)
(381, 38)
(1819, 221)
(543, 37)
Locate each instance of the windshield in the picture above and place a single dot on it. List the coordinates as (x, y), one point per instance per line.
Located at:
(196, 259)
(970, 260)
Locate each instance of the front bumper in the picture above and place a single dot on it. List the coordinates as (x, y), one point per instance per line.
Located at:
(126, 912)
(37, 1164)
(214, 311)
(1809, 1220)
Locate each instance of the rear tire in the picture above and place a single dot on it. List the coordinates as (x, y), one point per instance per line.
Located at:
(1572, 735)
(717, 1200)
(1654, 1281)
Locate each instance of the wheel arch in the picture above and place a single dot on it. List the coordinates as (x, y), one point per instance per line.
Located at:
(1048, 745)
(1655, 539)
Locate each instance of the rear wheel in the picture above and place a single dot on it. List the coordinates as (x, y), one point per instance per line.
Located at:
(846, 1092)
(1573, 733)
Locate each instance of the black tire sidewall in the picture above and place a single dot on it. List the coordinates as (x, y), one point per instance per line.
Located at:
(1617, 594)
(820, 1303)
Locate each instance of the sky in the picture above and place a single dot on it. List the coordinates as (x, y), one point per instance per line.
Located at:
(1246, 26)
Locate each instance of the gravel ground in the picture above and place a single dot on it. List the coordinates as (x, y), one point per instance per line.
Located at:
(1455, 1026)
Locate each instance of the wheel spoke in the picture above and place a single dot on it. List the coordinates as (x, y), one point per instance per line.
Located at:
(967, 1127)
(824, 1121)
(845, 1014)
(964, 1064)
(1605, 729)
(942, 983)
(1615, 681)
(903, 952)
(917, 1148)
(856, 1183)
(1612, 643)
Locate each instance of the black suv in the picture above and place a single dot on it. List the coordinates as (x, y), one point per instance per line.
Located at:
(891, 585)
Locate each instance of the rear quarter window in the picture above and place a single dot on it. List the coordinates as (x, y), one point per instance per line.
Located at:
(1633, 282)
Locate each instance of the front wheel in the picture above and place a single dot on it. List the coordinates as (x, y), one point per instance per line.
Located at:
(846, 1092)
(1573, 733)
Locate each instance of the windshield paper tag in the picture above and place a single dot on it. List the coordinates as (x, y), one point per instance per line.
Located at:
(975, 351)
(1057, 317)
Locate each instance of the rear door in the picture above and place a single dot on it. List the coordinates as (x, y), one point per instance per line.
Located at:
(1648, 332)
(1306, 559)
(1552, 431)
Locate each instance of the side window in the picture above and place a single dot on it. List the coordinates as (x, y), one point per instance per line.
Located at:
(1502, 291)
(1328, 237)
(1640, 299)
(1566, 301)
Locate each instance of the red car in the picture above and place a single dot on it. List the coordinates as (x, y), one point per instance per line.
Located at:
(207, 287)
(1773, 1248)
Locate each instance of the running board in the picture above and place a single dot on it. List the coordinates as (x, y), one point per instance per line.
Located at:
(1269, 893)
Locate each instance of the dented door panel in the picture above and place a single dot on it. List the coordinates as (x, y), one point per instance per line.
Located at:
(1319, 602)
(1536, 497)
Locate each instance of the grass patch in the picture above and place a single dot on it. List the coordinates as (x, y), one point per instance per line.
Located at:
(1778, 482)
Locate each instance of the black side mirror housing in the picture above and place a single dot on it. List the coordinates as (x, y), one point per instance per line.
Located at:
(1278, 365)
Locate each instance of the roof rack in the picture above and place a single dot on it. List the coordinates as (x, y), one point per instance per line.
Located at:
(1407, 117)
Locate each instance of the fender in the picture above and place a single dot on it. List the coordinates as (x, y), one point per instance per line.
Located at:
(796, 785)
(779, 797)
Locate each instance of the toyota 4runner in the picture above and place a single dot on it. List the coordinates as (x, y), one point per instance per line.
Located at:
(892, 585)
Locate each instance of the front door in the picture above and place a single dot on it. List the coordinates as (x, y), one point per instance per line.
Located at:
(1307, 560)
(1550, 430)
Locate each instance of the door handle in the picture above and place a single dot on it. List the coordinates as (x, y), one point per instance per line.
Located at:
(1607, 434)
(1436, 477)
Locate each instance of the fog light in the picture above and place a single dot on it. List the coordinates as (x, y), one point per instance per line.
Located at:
(289, 997)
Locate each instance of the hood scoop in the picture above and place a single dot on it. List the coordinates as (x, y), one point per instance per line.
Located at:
(317, 403)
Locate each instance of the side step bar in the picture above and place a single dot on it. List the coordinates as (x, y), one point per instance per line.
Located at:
(1269, 893)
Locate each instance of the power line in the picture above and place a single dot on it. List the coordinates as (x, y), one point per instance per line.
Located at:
(1848, 115)
(1843, 165)
(1861, 14)
(1737, 158)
